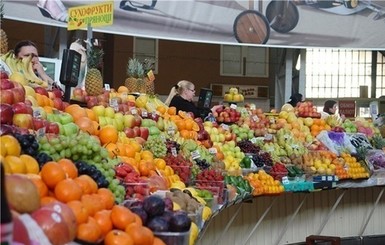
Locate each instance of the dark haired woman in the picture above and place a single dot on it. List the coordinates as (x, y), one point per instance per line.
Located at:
(330, 109)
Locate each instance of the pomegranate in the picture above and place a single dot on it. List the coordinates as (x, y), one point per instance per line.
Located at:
(22, 194)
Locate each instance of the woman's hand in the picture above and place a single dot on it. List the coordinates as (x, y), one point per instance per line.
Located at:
(215, 108)
(39, 69)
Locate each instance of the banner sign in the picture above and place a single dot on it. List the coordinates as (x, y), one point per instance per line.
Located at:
(347, 108)
(101, 14)
(270, 23)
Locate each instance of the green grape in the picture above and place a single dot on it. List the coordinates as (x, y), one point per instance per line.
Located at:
(43, 140)
(75, 157)
(68, 153)
(58, 147)
(54, 141)
(97, 158)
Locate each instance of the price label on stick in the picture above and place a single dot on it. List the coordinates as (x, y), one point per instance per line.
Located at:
(134, 111)
(213, 150)
(225, 126)
(174, 152)
(195, 155)
(144, 113)
(107, 87)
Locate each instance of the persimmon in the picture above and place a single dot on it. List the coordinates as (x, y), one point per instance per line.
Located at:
(69, 167)
(118, 237)
(89, 231)
(40, 185)
(88, 185)
(52, 173)
(47, 199)
(108, 134)
(121, 217)
(81, 213)
(140, 234)
(92, 202)
(158, 241)
(68, 190)
(106, 197)
(103, 218)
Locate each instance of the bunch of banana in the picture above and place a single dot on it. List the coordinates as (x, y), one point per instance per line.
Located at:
(23, 66)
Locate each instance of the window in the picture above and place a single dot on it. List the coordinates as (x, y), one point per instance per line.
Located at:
(244, 61)
(342, 73)
(146, 48)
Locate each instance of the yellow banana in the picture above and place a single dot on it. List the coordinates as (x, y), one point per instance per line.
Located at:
(27, 61)
(10, 60)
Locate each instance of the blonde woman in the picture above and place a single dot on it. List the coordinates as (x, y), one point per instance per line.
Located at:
(181, 97)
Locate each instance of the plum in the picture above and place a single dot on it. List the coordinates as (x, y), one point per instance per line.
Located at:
(154, 205)
(180, 222)
(141, 212)
(158, 224)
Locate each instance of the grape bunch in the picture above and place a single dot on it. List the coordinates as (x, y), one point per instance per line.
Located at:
(79, 147)
(248, 147)
(157, 146)
(170, 144)
(261, 159)
(93, 172)
(28, 144)
(42, 158)
(202, 164)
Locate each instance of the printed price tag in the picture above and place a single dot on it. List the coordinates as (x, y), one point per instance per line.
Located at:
(225, 126)
(330, 178)
(170, 131)
(255, 118)
(195, 155)
(107, 87)
(133, 111)
(233, 106)
(174, 151)
(36, 114)
(150, 75)
(268, 137)
(144, 113)
(253, 140)
(272, 120)
(213, 150)
(40, 132)
(124, 96)
(285, 180)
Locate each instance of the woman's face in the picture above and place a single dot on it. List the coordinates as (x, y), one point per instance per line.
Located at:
(27, 51)
(189, 93)
(333, 109)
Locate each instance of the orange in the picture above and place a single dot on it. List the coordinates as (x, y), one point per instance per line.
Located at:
(161, 109)
(16, 165)
(130, 150)
(108, 134)
(158, 241)
(103, 219)
(52, 173)
(90, 114)
(69, 168)
(140, 234)
(92, 203)
(40, 185)
(47, 199)
(81, 213)
(118, 237)
(12, 146)
(87, 184)
(68, 190)
(181, 124)
(89, 232)
(106, 197)
(171, 110)
(32, 166)
(121, 217)
(112, 149)
(160, 163)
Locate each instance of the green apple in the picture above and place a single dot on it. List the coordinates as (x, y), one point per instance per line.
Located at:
(128, 121)
(102, 121)
(109, 120)
(119, 116)
(99, 110)
(109, 112)
(119, 124)
(70, 129)
(65, 118)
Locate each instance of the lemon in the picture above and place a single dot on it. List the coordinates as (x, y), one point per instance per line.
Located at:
(32, 166)
(176, 206)
(194, 231)
(206, 214)
(11, 145)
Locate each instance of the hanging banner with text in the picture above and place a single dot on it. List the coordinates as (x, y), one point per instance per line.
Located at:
(94, 15)
(347, 108)
(271, 23)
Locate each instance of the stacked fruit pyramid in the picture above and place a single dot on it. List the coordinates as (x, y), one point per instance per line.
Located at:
(99, 168)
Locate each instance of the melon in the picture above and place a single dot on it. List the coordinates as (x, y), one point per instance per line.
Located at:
(22, 194)
(287, 107)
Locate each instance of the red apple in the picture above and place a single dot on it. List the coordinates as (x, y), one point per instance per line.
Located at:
(38, 123)
(6, 96)
(130, 133)
(136, 131)
(52, 128)
(22, 121)
(22, 108)
(137, 121)
(123, 108)
(140, 140)
(6, 113)
(3, 75)
(6, 84)
(18, 94)
(42, 91)
(57, 92)
(58, 103)
(144, 132)
(53, 225)
(102, 98)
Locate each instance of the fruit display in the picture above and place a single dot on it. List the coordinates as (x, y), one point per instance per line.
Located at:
(120, 166)
(233, 95)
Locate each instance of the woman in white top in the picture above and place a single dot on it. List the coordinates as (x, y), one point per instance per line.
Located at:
(330, 109)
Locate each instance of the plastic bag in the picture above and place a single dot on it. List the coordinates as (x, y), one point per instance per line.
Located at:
(336, 142)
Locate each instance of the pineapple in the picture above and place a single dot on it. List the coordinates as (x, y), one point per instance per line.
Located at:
(135, 80)
(3, 35)
(94, 79)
